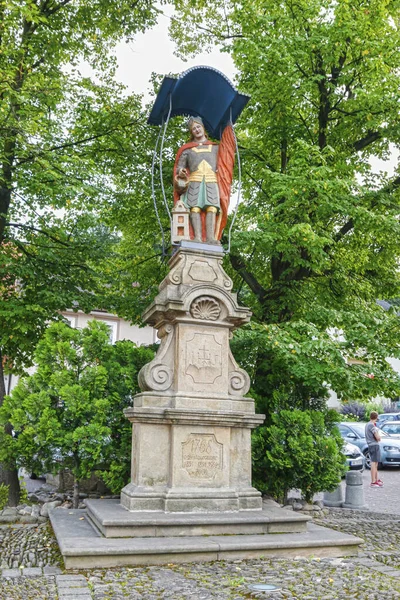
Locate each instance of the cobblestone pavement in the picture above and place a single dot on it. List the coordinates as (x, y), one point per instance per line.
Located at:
(373, 575)
(385, 499)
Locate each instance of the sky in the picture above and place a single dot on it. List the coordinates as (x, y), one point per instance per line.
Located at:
(154, 51)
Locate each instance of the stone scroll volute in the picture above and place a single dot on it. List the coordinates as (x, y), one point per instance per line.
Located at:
(158, 374)
(239, 380)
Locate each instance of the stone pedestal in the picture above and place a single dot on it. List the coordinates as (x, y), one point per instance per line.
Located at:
(190, 497)
(191, 424)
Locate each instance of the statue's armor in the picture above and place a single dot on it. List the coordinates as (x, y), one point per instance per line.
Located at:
(201, 162)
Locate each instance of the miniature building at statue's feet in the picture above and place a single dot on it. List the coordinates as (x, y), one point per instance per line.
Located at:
(192, 422)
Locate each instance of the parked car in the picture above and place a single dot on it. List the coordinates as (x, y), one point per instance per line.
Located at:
(393, 416)
(354, 457)
(354, 433)
(392, 428)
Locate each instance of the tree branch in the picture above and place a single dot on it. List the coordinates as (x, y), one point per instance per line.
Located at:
(55, 9)
(345, 229)
(259, 157)
(31, 228)
(257, 183)
(367, 140)
(215, 34)
(239, 265)
(77, 142)
(391, 187)
(336, 71)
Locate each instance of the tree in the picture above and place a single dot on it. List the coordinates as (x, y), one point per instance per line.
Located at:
(315, 242)
(69, 414)
(59, 134)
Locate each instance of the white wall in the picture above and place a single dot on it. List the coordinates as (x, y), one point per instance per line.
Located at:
(119, 330)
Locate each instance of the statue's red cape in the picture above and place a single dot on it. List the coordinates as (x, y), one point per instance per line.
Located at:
(225, 163)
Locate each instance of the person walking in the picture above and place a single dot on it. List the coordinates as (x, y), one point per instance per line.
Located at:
(373, 438)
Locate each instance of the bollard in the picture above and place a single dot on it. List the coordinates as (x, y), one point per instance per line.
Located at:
(334, 498)
(354, 497)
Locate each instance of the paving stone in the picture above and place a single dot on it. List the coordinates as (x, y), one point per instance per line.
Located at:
(32, 572)
(11, 573)
(75, 595)
(72, 584)
(70, 578)
(87, 597)
(72, 593)
(7, 519)
(52, 570)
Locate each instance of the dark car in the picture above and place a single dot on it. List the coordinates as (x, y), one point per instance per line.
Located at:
(354, 433)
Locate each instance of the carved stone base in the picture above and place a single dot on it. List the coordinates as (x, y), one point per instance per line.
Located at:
(191, 425)
(190, 500)
(188, 460)
(114, 521)
(194, 401)
(134, 540)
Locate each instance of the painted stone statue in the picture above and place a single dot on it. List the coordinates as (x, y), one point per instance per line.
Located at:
(203, 174)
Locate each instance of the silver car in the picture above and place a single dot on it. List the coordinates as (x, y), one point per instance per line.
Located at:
(387, 417)
(354, 433)
(392, 428)
(354, 457)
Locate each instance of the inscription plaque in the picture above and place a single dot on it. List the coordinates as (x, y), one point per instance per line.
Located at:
(202, 455)
(203, 358)
(201, 270)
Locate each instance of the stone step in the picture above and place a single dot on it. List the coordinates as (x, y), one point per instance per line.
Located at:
(83, 547)
(114, 521)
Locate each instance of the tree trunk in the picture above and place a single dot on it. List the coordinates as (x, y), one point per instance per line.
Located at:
(5, 198)
(75, 497)
(8, 476)
(285, 496)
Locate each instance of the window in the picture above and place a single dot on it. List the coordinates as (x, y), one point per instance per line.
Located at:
(70, 320)
(344, 431)
(113, 327)
(7, 383)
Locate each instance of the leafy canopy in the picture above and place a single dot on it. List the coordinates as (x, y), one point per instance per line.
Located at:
(60, 157)
(316, 239)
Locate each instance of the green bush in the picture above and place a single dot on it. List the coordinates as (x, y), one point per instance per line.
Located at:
(3, 495)
(69, 413)
(298, 450)
(23, 495)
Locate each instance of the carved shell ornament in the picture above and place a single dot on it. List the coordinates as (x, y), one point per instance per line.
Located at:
(205, 308)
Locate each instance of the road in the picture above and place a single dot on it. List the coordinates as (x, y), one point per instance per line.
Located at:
(386, 499)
